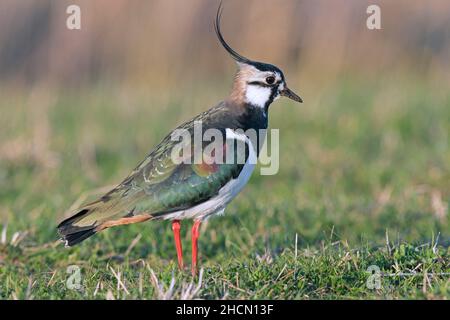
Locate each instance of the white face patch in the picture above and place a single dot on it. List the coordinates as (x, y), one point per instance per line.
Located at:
(257, 95)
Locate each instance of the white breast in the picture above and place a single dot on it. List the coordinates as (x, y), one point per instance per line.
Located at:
(228, 192)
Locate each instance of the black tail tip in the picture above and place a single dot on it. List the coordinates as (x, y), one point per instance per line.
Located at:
(73, 238)
(72, 234)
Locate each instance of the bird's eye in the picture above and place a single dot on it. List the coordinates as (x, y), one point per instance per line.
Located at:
(270, 80)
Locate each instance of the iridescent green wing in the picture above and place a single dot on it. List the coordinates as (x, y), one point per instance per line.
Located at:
(164, 186)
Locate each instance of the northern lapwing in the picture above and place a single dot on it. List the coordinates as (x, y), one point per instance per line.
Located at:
(162, 187)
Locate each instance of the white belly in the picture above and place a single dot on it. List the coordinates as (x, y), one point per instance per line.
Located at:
(227, 193)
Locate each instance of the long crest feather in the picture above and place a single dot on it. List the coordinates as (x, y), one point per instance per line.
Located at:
(236, 56)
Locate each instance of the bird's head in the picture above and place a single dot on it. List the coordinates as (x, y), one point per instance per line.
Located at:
(256, 83)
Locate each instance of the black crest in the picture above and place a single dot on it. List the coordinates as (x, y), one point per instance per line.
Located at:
(236, 56)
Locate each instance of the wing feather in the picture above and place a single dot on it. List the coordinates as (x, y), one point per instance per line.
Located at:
(160, 186)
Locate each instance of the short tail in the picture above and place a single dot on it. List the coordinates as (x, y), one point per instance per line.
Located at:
(107, 212)
(71, 233)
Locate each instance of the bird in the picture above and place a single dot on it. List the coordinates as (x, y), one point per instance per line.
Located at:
(161, 188)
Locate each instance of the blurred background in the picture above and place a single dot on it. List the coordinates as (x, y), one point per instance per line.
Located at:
(148, 43)
(80, 108)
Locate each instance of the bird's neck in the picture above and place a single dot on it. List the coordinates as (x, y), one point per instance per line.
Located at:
(245, 116)
(251, 108)
(249, 104)
(254, 117)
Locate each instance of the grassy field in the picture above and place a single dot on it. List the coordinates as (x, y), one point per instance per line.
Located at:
(364, 180)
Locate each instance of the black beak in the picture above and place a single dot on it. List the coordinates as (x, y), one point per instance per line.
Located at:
(286, 92)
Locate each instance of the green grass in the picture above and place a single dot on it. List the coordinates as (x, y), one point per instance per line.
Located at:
(364, 180)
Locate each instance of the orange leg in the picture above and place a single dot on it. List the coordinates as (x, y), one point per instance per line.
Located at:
(176, 226)
(195, 234)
